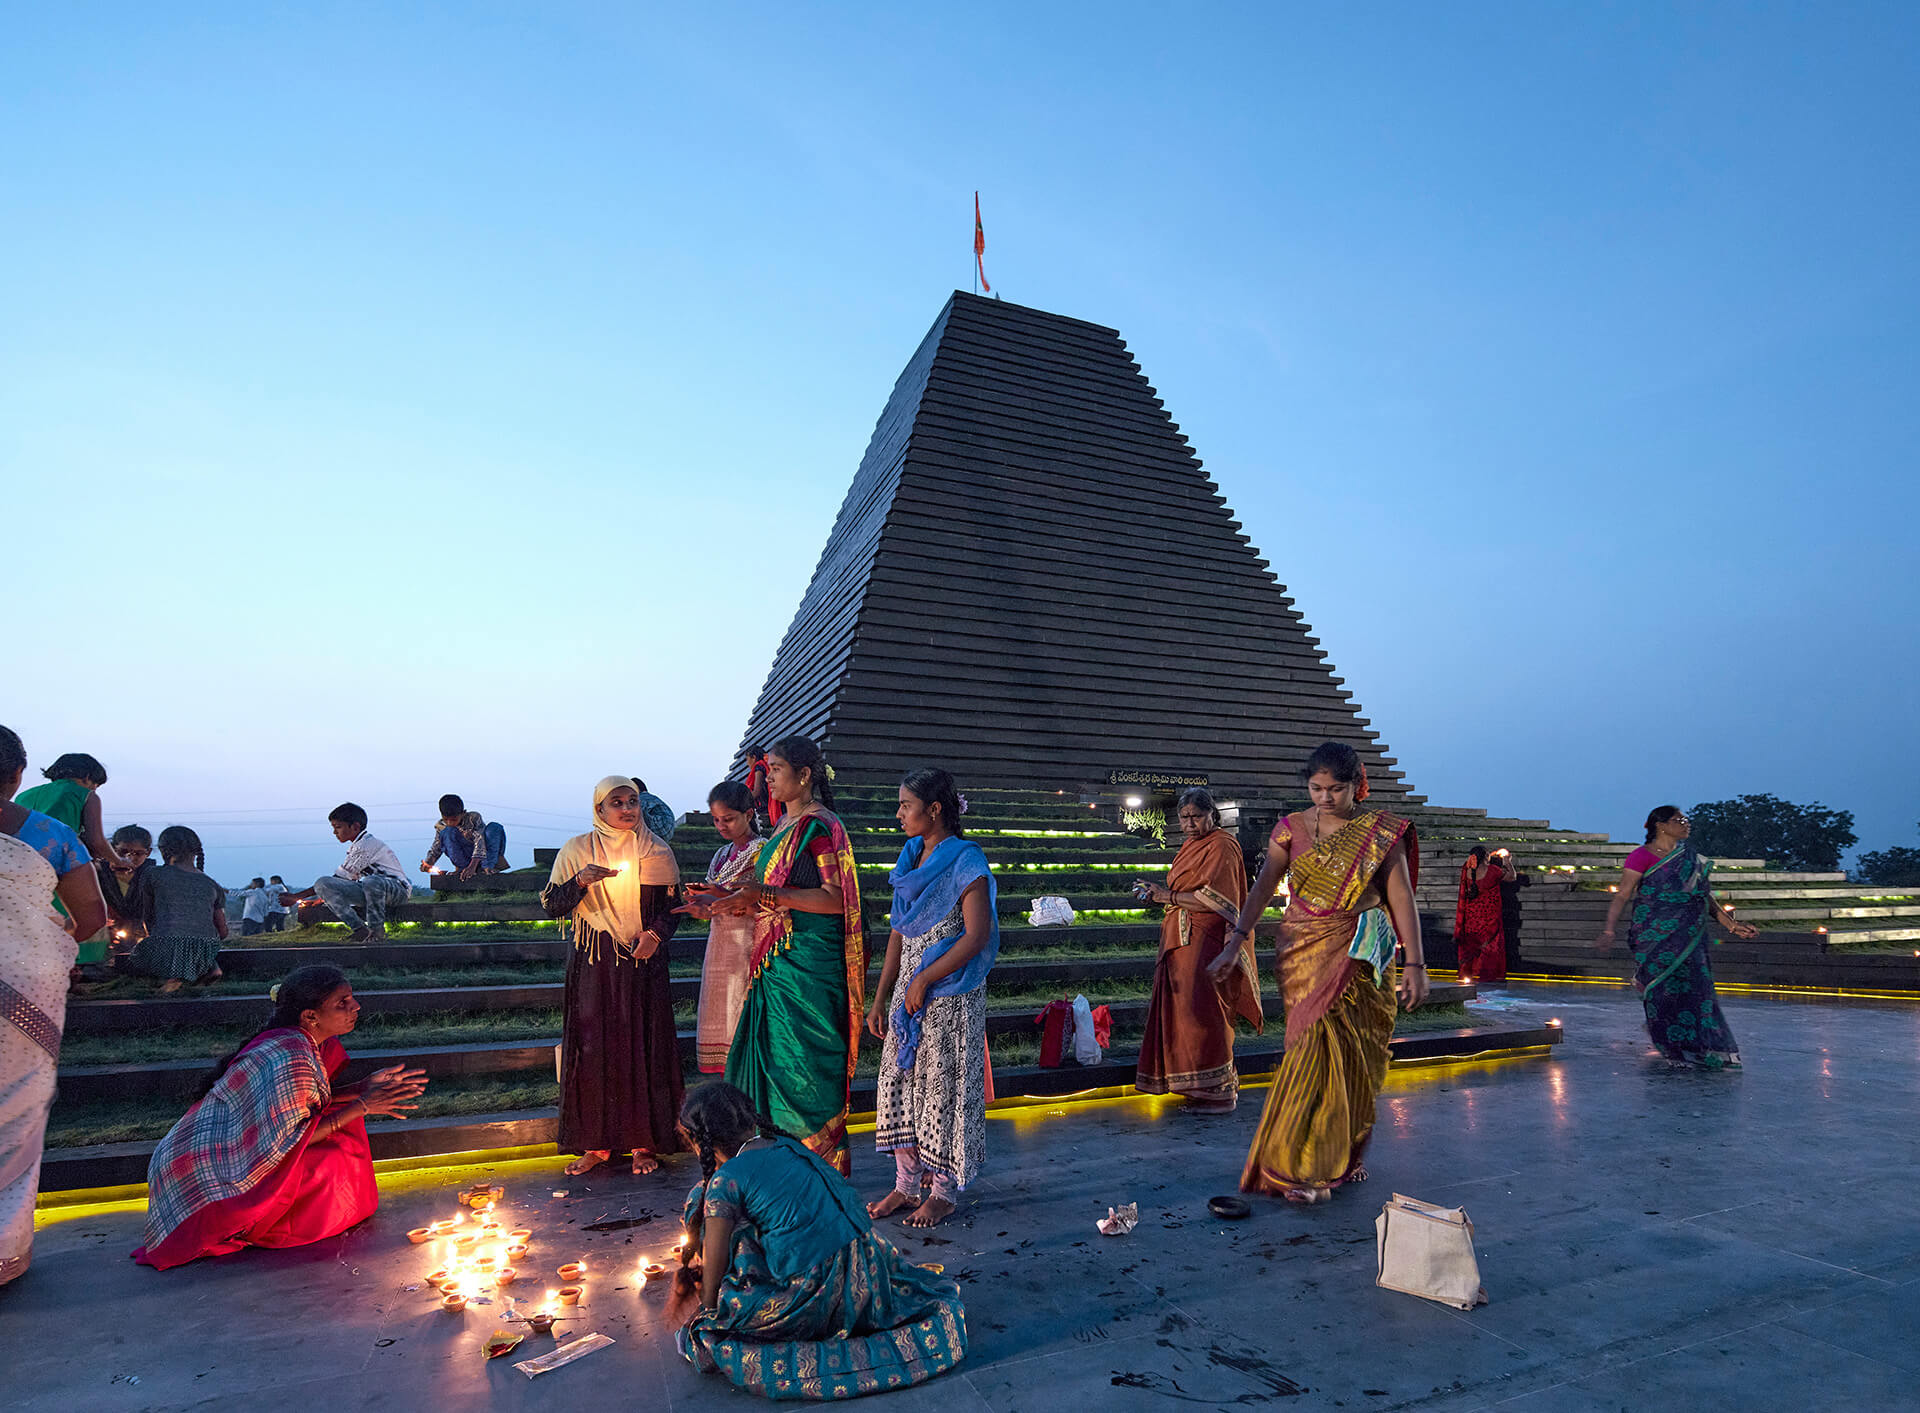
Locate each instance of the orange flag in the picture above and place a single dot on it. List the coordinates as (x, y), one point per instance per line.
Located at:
(980, 245)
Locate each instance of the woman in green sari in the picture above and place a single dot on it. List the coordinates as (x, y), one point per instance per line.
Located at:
(798, 1297)
(794, 1050)
(1668, 887)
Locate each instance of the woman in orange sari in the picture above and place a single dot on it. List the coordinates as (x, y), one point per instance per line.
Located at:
(1350, 874)
(1188, 1047)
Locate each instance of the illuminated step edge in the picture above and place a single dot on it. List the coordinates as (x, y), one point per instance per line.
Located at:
(126, 1163)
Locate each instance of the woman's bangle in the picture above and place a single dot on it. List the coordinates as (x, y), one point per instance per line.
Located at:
(1413, 966)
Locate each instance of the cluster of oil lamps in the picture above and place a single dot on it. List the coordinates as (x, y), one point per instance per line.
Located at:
(484, 1255)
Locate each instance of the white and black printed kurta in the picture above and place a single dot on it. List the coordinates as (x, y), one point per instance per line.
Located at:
(940, 1105)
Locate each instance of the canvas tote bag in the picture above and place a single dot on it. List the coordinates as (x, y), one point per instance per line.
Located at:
(1427, 1251)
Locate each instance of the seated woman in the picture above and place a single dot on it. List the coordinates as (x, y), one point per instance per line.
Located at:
(798, 1297)
(183, 913)
(272, 1154)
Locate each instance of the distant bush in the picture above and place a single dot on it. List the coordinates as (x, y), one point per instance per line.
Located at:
(1898, 865)
(1807, 838)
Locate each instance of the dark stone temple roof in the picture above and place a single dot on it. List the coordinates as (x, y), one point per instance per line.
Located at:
(1033, 583)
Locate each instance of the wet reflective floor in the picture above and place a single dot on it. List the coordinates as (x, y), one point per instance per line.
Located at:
(1648, 1240)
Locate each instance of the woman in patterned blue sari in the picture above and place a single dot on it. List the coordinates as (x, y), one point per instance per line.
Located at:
(798, 1297)
(1669, 887)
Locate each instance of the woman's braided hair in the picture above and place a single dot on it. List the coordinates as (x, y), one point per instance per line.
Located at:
(1476, 856)
(718, 1114)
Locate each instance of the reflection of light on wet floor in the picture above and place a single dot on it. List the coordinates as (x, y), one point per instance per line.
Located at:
(1557, 1094)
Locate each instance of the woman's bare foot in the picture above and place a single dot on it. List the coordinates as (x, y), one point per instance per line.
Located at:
(1307, 1196)
(930, 1213)
(644, 1163)
(586, 1162)
(1358, 1173)
(171, 985)
(893, 1202)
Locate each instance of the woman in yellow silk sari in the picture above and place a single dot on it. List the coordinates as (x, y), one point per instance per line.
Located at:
(1350, 874)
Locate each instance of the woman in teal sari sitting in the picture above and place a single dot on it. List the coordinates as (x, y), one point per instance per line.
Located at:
(798, 1297)
(798, 1039)
(1668, 886)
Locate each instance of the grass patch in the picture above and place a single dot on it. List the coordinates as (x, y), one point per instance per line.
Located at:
(134, 988)
(373, 1033)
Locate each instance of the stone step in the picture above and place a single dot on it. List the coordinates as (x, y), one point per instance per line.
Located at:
(1842, 936)
(81, 1084)
(116, 1164)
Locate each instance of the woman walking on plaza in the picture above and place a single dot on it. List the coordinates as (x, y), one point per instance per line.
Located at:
(799, 1034)
(273, 1153)
(1479, 927)
(1667, 884)
(930, 1007)
(729, 951)
(620, 1085)
(797, 1296)
(184, 913)
(41, 860)
(1351, 874)
(1188, 1046)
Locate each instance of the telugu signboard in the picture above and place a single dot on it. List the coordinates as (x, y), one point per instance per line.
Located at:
(1158, 779)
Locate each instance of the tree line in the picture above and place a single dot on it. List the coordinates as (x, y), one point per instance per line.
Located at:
(1803, 838)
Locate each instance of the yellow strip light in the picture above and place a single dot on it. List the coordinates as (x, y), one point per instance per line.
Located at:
(432, 1169)
(1741, 988)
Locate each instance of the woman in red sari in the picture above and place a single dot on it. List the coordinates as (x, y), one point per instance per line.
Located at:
(1188, 1047)
(1479, 926)
(272, 1154)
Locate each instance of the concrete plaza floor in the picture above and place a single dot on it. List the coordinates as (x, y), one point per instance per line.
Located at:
(1648, 1240)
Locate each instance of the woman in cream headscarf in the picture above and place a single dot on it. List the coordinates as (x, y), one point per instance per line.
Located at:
(620, 1087)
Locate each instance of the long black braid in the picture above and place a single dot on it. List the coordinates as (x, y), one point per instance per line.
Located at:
(716, 1114)
(1476, 856)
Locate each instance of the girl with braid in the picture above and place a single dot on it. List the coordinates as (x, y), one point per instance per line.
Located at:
(798, 1297)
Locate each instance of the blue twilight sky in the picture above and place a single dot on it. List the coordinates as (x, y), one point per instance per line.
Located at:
(399, 399)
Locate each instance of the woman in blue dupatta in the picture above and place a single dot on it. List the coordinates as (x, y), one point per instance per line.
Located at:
(931, 1006)
(798, 1296)
(1668, 885)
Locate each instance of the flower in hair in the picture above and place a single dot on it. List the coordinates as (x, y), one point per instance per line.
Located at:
(273, 993)
(830, 775)
(963, 804)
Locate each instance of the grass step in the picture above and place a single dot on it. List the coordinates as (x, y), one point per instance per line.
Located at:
(113, 1163)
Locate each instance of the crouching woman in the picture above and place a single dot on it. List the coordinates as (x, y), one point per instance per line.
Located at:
(272, 1153)
(798, 1297)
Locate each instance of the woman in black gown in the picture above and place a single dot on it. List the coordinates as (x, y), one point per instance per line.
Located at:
(620, 1086)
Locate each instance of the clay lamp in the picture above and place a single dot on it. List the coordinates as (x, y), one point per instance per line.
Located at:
(569, 1295)
(572, 1271)
(484, 1264)
(517, 1252)
(420, 1235)
(506, 1275)
(453, 1302)
(520, 1236)
(653, 1270)
(541, 1322)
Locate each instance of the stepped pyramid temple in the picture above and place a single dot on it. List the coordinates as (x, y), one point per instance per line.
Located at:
(1027, 580)
(1029, 574)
